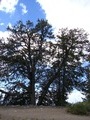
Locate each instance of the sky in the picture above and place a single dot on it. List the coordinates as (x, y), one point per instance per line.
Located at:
(67, 13)
(59, 13)
(12, 11)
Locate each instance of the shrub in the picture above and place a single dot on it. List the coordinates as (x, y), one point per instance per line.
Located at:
(80, 108)
(87, 104)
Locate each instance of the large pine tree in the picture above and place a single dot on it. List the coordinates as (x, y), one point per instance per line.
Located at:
(21, 58)
(35, 68)
(70, 52)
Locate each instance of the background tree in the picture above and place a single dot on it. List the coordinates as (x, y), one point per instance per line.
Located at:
(86, 88)
(69, 56)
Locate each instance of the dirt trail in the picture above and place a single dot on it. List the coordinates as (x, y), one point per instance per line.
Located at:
(37, 113)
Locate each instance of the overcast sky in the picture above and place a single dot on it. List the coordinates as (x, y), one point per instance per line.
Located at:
(59, 13)
(67, 13)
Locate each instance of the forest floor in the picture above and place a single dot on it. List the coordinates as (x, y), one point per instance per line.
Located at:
(37, 113)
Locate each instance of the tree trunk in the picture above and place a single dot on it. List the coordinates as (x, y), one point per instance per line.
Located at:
(45, 88)
(53, 77)
(33, 101)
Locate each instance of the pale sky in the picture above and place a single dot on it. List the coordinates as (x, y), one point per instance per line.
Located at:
(67, 13)
(75, 96)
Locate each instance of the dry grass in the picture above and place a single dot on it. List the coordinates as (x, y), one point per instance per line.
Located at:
(0, 117)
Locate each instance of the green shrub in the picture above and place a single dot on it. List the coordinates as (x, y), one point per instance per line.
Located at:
(80, 108)
(87, 104)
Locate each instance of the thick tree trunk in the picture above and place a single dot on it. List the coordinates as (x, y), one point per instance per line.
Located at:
(53, 77)
(32, 86)
(46, 88)
(33, 101)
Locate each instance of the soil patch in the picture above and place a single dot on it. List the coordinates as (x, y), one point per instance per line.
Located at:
(37, 113)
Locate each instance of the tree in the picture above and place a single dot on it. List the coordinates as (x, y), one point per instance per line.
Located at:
(69, 55)
(21, 57)
(86, 88)
(33, 68)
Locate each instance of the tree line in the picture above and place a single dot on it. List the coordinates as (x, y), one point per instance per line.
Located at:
(40, 68)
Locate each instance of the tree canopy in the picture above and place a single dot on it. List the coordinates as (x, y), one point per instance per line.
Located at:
(38, 68)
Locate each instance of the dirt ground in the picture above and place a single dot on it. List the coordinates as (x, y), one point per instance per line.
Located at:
(37, 113)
